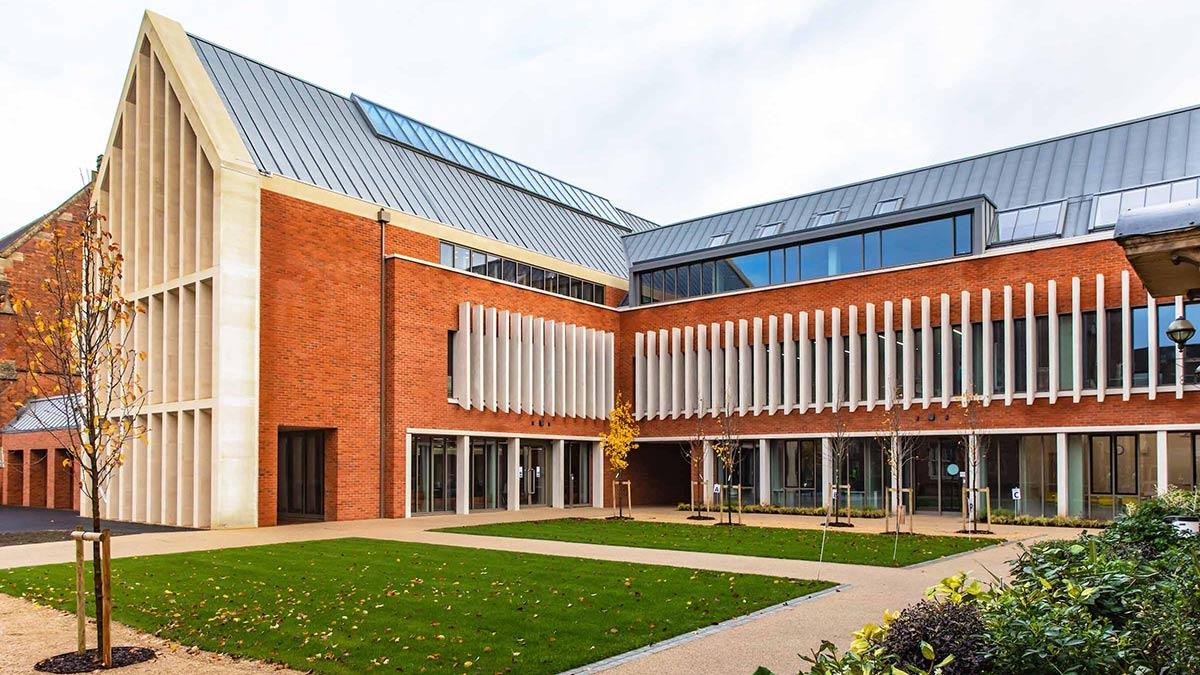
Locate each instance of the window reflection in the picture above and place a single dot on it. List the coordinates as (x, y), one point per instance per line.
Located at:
(496, 267)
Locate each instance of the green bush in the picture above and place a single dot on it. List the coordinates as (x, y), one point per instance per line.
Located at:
(787, 510)
(1007, 517)
(1126, 599)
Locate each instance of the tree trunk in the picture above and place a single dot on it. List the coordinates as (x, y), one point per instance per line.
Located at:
(97, 568)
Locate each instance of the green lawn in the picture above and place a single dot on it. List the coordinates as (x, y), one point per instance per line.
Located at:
(768, 542)
(351, 605)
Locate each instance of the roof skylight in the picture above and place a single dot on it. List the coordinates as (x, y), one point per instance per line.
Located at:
(404, 130)
(718, 239)
(888, 205)
(767, 230)
(827, 218)
(1034, 222)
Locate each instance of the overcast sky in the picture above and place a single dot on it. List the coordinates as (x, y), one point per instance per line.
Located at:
(671, 110)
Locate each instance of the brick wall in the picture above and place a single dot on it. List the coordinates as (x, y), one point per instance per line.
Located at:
(21, 274)
(34, 474)
(1037, 267)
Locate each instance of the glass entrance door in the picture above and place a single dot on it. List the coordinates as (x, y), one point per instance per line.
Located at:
(579, 474)
(938, 467)
(531, 474)
(744, 473)
(489, 473)
(435, 472)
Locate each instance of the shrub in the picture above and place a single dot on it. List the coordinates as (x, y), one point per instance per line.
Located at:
(790, 510)
(1006, 517)
(946, 627)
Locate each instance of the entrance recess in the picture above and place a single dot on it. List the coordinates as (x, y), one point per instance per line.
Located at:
(531, 474)
(938, 467)
(301, 472)
(435, 472)
(489, 474)
(579, 474)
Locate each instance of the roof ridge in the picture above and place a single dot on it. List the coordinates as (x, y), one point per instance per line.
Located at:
(928, 167)
(20, 235)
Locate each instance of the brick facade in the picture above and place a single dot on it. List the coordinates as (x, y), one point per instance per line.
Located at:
(34, 472)
(319, 354)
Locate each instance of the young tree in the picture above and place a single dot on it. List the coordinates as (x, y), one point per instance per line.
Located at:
(728, 452)
(898, 450)
(693, 454)
(76, 334)
(619, 441)
(976, 444)
(839, 449)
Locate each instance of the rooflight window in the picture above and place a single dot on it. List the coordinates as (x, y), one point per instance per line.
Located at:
(718, 239)
(827, 218)
(768, 230)
(1034, 222)
(1109, 207)
(888, 205)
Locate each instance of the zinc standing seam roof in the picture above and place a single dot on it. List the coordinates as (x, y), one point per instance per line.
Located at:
(42, 414)
(1071, 168)
(296, 129)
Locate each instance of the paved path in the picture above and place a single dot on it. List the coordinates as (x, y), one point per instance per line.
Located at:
(773, 641)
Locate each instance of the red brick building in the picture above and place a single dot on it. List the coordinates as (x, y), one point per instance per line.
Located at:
(352, 314)
(34, 472)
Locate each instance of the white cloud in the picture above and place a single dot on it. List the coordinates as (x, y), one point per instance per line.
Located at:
(669, 109)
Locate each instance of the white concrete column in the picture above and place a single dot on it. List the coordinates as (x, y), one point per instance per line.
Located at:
(651, 406)
(566, 399)
(462, 476)
(1031, 352)
(716, 368)
(408, 475)
(583, 356)
(514, 482)
(539, 366)
(1076, 341)
(788, 365)
(872, 358)
(597, 475)
(1152, 342)
(926, 352)
(773, 370)
(1179, 373)
(610, 373)
(665, 376)
(476, 377)
(1052, 343)
(907, 352)
(558, 361)
(677, 373)
(557, 474)
(516, 354)
(947, 351)
(764, 472)
(1127, 341)
(759, 361)
(1101, 341)
(971, 380)
(730, 394)
(503, 362)
(689, 371)
(1161, 479)
(1061, 468)
(704, 363)
(707, 468)
(489, 359)
(855, 374)
(462, 357)
(988, 360)
(551, 394)
(820, 388)
(1010, 362)
(826, 472)
(837, 379)
(745, 364)
(527, 377)
(639, 375)
(804, 385)
(889, 355)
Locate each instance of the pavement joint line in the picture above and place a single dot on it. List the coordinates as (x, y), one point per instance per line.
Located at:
(663, 645)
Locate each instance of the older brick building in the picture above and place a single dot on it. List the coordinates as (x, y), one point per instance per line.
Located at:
(350, 313)
(34, 469)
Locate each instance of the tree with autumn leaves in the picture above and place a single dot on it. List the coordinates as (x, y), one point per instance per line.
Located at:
(618, 441)
(75, 330)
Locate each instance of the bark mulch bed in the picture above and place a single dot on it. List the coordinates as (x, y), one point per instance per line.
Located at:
(89, 661)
